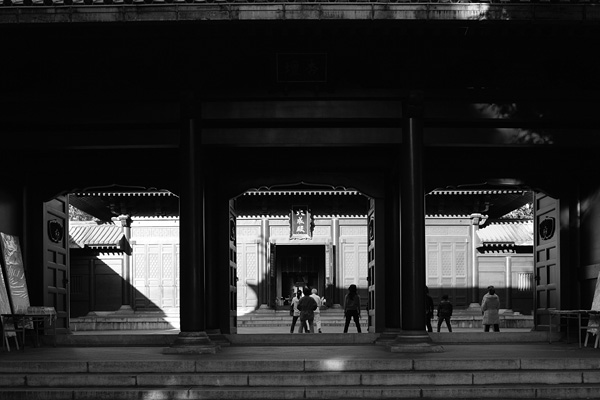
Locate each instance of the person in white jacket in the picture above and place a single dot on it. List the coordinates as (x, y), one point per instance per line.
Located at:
(490, 308)
(314, 295)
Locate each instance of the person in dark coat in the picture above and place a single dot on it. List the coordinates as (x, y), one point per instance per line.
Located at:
(444, 312)
(307, 306)
(428, 310)
(352, 308)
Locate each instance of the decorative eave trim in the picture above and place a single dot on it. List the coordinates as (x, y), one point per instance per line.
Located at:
(124, 194)
(303, 193)
(286, 216)
(474, 192)
(447, 216)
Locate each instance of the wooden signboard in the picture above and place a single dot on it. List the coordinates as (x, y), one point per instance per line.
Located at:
(594, 321)
(4, 302)
(596, 300)
(15, 273)
(300, 223)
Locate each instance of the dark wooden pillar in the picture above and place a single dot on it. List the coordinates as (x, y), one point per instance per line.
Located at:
(412, 213)
(191, 206)
(392, 264)
(211, 260)
(193, 337)
(127, 284)
(412, 232)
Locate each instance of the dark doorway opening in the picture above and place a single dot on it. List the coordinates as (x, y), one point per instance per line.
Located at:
(300, 266)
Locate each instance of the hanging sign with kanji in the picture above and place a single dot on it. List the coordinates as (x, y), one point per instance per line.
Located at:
(300, 223)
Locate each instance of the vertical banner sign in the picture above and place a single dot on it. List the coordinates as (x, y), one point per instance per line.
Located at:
(300, 227)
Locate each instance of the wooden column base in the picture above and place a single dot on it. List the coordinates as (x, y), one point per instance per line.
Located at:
(192, 343)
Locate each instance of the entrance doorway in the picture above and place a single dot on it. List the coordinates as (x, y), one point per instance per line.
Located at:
(299, 266)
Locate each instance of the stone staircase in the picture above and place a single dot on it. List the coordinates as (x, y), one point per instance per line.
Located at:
(123, 321)
(334, 317)
(271, 328)
(330, 318)
(299, 366)
(208, 378)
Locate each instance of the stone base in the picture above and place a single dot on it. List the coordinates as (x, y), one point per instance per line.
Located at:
(388, 336)
(217, 337)
(414, 342)
(397, 347)
(192, 343)
(125, 310)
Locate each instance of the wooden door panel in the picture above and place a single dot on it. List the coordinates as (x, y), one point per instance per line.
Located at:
(547, 259)
(168, 276)
(56, 271)
(233, 273)
(371, 317)
(247, 269)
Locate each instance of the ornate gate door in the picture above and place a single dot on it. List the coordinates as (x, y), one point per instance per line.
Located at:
(371, 266)
(56, 260)
(547, 258)
(232, 267)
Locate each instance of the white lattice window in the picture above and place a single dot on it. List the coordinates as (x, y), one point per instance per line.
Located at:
(446, 264)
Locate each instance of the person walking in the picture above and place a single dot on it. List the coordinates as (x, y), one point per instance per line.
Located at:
(352, 308)
(490, 308)
(296, 314)
(428, 310)
(444, 312)
(315, 296)
(307, 306)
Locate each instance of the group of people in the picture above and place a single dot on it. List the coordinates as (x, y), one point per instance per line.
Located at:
(490, 309)
(307, 308)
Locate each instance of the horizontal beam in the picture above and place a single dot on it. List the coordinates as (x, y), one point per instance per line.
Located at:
(80, 12)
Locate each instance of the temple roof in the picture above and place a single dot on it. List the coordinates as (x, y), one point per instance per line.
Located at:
(107, 203)
(506, 234)
(94, 236)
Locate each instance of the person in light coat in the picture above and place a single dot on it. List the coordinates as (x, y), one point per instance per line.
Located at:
(296, 313)
(490, 308)
(317, 321)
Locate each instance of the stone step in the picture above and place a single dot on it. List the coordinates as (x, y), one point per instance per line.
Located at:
(588, 391)
(575, 370)
(522, 391)
(317, 379)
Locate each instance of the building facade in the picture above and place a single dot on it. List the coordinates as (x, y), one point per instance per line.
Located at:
(211, 100)
(276, 257)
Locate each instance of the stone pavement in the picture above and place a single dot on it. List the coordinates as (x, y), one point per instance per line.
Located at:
(471, 347)
(294, 353)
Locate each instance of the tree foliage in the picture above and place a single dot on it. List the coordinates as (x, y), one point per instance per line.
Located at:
(75, 214)
(524, 212)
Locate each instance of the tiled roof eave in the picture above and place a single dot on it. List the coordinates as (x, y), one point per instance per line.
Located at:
(124, 194)
(286, 216)
(302, 193)
(474, 192)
